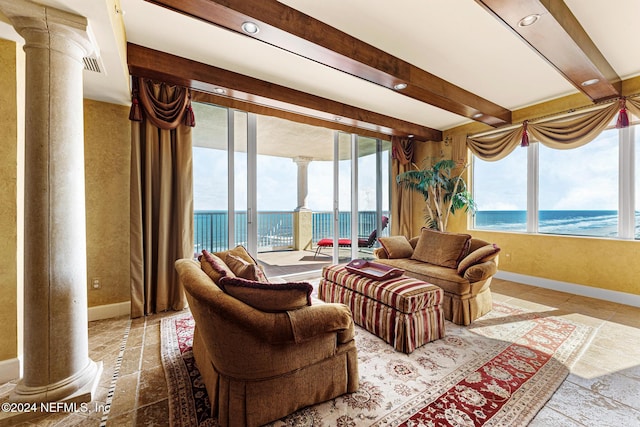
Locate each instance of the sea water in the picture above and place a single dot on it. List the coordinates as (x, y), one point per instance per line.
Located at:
(579, 222)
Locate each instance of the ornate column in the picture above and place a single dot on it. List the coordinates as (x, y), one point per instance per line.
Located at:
(57, 366)
(302, 217)
(303, 186)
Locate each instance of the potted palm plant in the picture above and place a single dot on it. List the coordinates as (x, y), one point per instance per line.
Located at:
(443, 192)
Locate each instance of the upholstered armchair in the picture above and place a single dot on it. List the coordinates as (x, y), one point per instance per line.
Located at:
(261, 366)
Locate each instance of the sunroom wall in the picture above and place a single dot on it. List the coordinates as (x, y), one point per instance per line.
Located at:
(606, 264)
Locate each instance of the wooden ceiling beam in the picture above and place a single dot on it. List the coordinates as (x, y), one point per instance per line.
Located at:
(161, 66)
(288, 29)
(560, 39)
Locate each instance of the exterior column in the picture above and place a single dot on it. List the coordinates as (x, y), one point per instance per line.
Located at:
(57, 367)
(303, 186)
(302, 216)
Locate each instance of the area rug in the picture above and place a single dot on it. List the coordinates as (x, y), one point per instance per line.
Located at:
(499, 371)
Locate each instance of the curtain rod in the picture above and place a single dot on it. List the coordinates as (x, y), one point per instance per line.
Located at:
(541, 119)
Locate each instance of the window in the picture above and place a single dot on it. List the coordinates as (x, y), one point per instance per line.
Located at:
(581, 191)
(500, 191)
(578, 188)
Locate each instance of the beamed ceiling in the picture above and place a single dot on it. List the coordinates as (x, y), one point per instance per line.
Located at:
(338, 63)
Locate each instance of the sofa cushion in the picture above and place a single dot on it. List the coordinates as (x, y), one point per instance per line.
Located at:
(269, 297)
(443, 277)
(246, 270)
(214, 266)
(441, 248)
(485, 253)
(396, 247)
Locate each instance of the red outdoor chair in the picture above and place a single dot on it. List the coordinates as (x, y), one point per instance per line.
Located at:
(363, 242)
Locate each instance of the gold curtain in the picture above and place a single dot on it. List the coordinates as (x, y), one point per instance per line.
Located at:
(562, 133)
(402, 203)
(161, 198)
(633, 105)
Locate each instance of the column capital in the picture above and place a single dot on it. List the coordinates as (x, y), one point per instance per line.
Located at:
(36, 23)
(302, 160)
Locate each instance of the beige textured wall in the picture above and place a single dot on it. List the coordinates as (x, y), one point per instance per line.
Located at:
(8, 201)
(107, 135)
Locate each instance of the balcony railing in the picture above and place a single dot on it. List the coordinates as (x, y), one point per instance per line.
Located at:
(275, 229)
(323, 224)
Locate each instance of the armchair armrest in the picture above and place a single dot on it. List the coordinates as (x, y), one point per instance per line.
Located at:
(481, 271)
(320, 319)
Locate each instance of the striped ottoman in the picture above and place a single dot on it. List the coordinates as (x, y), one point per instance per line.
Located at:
(403, 311)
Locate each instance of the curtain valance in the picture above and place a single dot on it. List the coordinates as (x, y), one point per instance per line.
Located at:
(561, 133)
(402, 149)
(165, 106)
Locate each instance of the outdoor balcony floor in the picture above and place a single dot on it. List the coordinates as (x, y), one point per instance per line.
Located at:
(298, 263)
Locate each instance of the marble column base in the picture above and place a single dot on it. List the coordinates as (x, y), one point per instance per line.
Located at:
(67, 395)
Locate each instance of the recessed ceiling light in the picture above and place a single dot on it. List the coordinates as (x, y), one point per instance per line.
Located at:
(590, 82)
(220, 91)
(477, 115)
(528, 20)
(400, 86)
(410, 135)
(250, 27)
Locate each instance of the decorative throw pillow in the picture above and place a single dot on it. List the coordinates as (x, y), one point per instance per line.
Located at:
(239, 251)
(441, 248)
(396, 247)
(269, 297)
(214, 266)
(242, 268)
(480, 255)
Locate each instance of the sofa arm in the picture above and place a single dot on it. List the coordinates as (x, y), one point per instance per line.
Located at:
(380, 253)
(481, 271)
(309, 322)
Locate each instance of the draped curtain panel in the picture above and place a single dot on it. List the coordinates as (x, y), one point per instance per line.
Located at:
(633, 105)
(161, 196)
(562, 133)
(402, 202)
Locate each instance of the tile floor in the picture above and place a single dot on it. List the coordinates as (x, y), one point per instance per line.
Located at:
(603, 388)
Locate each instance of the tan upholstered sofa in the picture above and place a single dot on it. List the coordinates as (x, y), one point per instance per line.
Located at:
(260, 366)
(461, 265)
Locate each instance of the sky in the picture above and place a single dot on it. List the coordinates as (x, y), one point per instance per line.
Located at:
(277, 183)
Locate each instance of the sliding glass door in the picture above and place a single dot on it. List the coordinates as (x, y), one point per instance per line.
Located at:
(211, 179)
(361, 195)
(271, 185)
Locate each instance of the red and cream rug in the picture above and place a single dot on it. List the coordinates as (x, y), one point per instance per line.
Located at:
(499, 371)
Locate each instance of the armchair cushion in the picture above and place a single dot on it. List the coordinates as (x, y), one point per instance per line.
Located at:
(485, 253)
(239, 251)
(396, 247)
(246, 270)
(214, 266)
(441, 248)
(268, 297)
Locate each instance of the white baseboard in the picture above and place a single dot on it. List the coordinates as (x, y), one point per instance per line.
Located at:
(108, 311)
(9, 370)
(572, 288)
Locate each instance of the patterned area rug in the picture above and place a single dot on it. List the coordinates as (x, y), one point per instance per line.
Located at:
(499, 371)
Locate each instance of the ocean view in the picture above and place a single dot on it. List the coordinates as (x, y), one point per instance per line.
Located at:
(581, 223)
(275, 229)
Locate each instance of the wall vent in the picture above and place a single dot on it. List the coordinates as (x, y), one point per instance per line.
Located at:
(91, 64)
